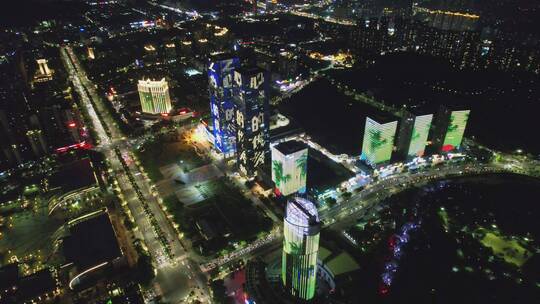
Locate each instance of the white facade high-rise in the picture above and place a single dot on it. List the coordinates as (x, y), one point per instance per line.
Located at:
(154, 96)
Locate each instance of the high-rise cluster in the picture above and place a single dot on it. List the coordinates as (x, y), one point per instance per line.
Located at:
(239, 109)
(387, 139)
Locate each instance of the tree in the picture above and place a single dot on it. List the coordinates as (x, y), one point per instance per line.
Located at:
(286, 178)
(376, 140)
(277, 166)
(331, 202)
(218, 291)
(144, 270)
(451, 126)
(301, 164)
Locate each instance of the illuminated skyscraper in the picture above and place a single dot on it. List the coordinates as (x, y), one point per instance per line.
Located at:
(413, 135)
(289, 167)
(91, 54)
(300, 248)
(252, 122)
(220, 78)
(154, 96)
(43, 67)
(378, 141)
(449, 128)
(455, 130)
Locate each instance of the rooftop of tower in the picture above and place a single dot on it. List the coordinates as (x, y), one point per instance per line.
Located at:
(302, 212)
(290, 147)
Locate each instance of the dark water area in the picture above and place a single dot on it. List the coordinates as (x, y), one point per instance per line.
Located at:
(466, 240)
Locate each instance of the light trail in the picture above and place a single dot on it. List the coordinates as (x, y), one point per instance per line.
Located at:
(85, 272)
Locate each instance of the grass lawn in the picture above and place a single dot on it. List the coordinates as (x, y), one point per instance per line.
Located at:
(510, 250)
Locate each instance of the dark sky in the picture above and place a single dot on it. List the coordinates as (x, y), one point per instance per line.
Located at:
(28, 12)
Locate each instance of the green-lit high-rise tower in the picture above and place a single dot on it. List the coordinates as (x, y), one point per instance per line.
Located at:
(300, 249)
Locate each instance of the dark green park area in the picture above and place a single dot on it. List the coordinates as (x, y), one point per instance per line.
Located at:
(224, 218)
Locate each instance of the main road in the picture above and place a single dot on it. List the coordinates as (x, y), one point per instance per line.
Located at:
(362, 203)
(177, 275)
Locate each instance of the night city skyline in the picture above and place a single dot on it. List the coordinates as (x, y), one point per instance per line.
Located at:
(269, 151)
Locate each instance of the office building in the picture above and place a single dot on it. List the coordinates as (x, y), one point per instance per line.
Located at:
(300, 249)
(220, 77)
(154, 96)
(450, 126)
(378, 142)
(289, 167)
(413, 135)
(252, 122)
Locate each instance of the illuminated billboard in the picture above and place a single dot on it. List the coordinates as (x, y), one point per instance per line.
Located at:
(378, 141)
(419, 135)
(220, 74)
(251, 121)
(455, 131)
(289, 167)
(300, 248)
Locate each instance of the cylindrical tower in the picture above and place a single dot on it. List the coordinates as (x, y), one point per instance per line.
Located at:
(300, 248)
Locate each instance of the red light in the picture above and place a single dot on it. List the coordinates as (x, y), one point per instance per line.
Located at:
(164, 114)
(81, 145)
(72, 125)
(392, 242)
(447, 148)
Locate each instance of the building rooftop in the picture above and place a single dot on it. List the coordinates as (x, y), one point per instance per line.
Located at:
(221, 56)
(290, 147)
(26, 288)
(9, 276)
(250, 70)
(288, 127)
(91, 242)
(301, 212)
(73, 176)
(333, 119)
(36, 284)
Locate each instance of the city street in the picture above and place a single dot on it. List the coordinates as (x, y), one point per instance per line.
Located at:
(178, 276)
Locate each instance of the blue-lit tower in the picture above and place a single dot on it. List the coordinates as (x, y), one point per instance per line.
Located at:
(252, 122)
(220, 78)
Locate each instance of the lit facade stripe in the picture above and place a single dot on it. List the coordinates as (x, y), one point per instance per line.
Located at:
(419, 135)
(252, 123)
(456, 129)
(220, 75)
(289, 171)
(300, 248)
(378, 141)
(154, 96)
